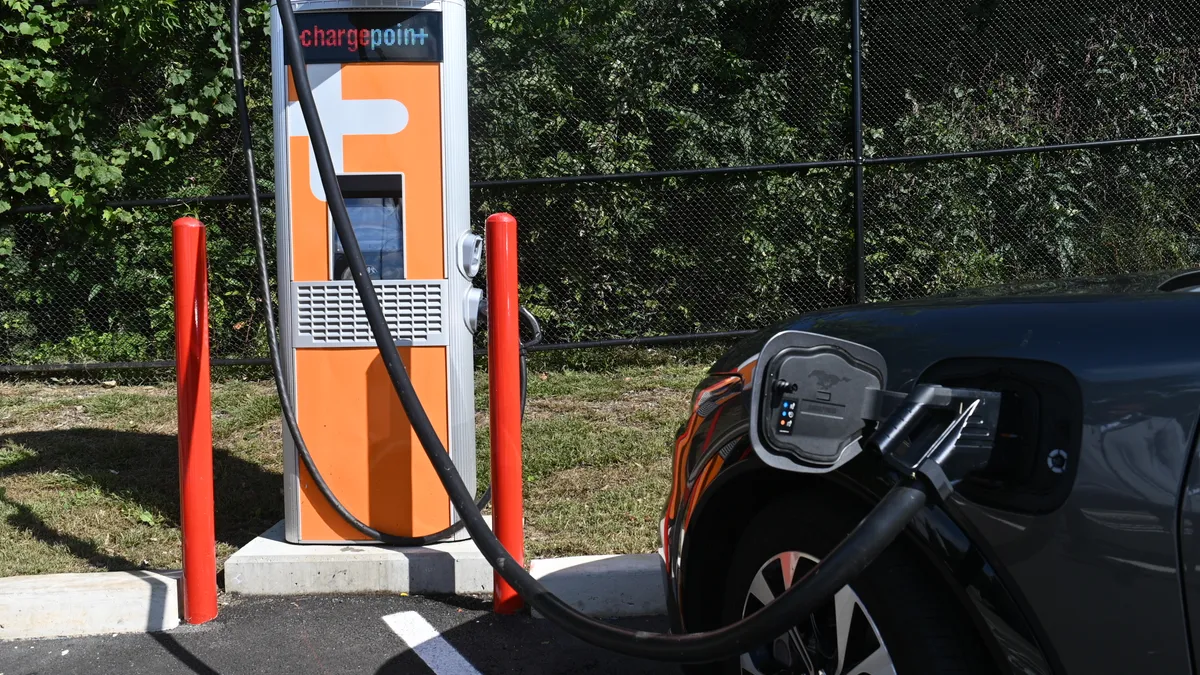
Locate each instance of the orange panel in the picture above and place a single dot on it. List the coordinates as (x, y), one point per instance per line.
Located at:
(364, 446)
(310, 238)
(416, 152)
(355, 427)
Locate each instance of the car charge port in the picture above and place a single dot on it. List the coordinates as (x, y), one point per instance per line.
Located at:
(1032, 466)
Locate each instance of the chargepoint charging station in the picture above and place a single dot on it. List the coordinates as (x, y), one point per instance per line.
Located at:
(389, 81)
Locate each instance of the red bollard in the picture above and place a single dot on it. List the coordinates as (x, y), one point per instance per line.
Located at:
(194, 398)
(504, 381)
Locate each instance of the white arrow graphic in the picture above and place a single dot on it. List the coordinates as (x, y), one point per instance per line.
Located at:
(341, 118)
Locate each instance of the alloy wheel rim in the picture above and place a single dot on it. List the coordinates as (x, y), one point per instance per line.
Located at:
(840, 638)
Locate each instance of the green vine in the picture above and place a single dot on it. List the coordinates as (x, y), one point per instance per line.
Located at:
(102, 100)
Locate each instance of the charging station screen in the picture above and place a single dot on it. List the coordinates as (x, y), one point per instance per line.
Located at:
(378, 226)
(354, 37)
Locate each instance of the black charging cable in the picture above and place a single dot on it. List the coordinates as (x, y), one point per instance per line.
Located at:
(535, 328)
(876, 531)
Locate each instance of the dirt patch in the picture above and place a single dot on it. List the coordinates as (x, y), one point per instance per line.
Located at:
(635, 408)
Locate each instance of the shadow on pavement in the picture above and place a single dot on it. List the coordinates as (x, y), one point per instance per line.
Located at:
(182, 654)
(404, 664)
(495, 645)
(341, 634)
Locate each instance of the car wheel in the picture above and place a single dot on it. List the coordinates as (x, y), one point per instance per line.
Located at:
(895, 619)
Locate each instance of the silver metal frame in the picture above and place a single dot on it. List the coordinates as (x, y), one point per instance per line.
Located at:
(332, 5)
(456, 223)
(456, 209)
(287, 326)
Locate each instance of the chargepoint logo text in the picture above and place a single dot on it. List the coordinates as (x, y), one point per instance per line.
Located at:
(352, 39)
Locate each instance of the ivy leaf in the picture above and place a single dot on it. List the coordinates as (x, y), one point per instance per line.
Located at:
(106, 175)
(42, 44)
(155, 151)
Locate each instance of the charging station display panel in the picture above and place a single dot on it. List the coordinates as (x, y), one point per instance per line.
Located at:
(376, 208)
(371, 37)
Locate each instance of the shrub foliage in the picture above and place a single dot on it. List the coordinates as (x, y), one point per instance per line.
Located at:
(123, 100)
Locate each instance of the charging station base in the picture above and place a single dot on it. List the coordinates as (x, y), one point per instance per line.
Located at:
(269, 565)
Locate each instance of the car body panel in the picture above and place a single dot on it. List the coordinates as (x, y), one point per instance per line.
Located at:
(1093, 586)
(1189, 549)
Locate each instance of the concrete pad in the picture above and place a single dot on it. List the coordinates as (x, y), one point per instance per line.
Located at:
(606, 586)
(67, 605)
(269, 565)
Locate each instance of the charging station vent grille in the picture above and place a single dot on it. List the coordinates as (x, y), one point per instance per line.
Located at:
(329, 314)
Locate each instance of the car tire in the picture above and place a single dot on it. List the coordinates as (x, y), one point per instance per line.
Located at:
(897, 601)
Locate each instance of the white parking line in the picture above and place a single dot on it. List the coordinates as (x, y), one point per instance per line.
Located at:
(423, 639)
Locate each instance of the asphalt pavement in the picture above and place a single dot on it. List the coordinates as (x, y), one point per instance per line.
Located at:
(378, 635)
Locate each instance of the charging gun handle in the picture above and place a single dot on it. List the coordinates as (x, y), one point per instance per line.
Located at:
(895, 428)
(963, 446)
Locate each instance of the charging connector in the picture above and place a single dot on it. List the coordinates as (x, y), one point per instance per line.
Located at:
(940, 454)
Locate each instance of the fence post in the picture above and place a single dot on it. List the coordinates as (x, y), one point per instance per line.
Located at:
(194, 405)
(860, 249)
(504, 384)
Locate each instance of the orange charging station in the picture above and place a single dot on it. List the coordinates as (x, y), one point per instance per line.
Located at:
(389, 80)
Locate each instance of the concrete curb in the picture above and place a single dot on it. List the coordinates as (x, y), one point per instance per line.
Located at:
(269, 565)
(606, 586)
(67, 605)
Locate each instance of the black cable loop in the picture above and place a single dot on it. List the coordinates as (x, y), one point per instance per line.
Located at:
(872, 535)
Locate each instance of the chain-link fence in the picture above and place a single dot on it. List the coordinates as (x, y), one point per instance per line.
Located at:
(694, 168)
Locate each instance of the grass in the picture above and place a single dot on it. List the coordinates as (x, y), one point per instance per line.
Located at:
(88, 474)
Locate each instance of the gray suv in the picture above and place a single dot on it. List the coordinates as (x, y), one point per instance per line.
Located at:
(1074, 550)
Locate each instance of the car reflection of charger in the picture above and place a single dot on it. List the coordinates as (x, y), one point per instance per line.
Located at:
(341, 268)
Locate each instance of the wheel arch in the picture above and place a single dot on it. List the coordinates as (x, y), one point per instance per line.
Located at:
(748, 486)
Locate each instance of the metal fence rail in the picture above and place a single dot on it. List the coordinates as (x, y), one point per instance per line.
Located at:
(718, 168)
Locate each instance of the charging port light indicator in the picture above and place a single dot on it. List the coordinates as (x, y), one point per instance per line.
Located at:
(787, 415)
